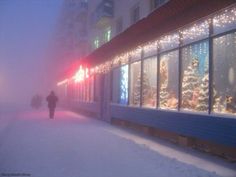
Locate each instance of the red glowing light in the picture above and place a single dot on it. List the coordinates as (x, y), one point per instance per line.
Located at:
(86, 73)
(81, 74)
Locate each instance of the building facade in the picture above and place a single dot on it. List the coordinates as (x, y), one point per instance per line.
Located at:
(171, 74)
(108, 18)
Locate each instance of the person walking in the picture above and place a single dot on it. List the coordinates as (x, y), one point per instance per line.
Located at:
(52, 101)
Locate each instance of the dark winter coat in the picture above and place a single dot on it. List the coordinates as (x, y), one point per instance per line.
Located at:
(52, 100)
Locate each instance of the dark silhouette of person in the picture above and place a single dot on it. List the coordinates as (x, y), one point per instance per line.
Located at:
(36, 101)
(52, 101)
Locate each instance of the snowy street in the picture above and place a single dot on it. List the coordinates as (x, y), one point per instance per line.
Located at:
(72, 145)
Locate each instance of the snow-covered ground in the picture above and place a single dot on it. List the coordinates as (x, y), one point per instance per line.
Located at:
(72, 145)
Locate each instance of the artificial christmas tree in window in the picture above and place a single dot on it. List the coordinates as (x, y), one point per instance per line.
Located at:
(218, 106)
(137, 89)
(146, 90)
(203, 94)
(164, 95)
(190, 86)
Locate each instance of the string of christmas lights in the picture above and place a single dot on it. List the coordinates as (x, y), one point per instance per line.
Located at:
(226, 18)
(169, 41)
(197, 30)
(150, 48)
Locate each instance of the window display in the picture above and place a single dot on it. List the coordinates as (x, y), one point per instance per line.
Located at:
(115, 85)
(135, 83)
(195, 79)
(124, 75)
(149, 83)
(120, 85)
(169, 80)
(224, 84)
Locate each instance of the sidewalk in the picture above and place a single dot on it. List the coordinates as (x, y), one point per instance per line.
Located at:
(73, 145)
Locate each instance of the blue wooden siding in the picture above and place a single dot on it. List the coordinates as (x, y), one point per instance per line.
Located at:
(220, 130)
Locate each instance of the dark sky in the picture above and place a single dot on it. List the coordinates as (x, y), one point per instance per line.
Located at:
(26, 30)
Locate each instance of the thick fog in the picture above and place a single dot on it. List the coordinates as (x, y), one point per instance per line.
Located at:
(26, 33)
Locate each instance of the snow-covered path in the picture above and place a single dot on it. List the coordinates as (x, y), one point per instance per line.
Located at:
(72, 145)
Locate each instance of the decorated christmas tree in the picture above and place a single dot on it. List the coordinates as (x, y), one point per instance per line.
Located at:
(136, 91)
(145, 88)
(164, 95)
(137, 88)
(203, 94)
(217, 102)
(190, 82)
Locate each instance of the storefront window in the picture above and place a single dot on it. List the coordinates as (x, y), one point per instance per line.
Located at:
(120, 85)
(225, 21)
(149, 82)
(124, 78)
(115, 85)
(135, 83)
(195, 77)
(169, 70)
(224, 82)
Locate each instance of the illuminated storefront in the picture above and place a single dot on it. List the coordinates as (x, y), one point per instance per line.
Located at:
(183, 81)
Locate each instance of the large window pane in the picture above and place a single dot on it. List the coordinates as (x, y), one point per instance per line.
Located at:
(115, 85)
(224, 82)
(124, 78)
(135, 83)
(169, 80)
(195, 77)
(120, 85)
(149, 83)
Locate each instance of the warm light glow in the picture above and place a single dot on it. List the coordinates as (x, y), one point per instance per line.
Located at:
(169, 41)
(62, 82)
(228, 17)
(150, 47)
(79, 75)
(120, 59)
(196, 31)
(86, 73)
(136, 53)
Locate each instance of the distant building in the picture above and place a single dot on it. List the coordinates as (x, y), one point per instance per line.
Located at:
(109, 18)
(85, 25)
(70, 39)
